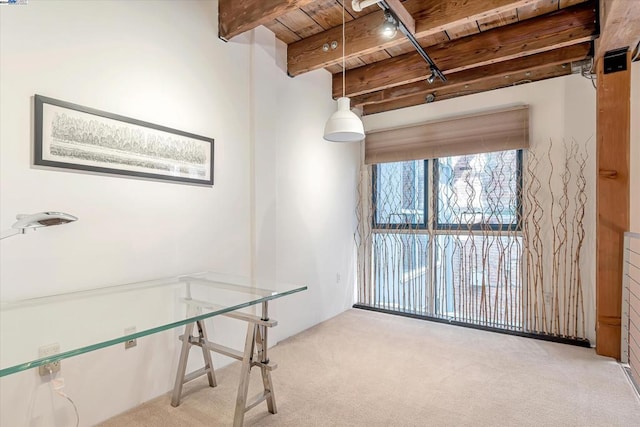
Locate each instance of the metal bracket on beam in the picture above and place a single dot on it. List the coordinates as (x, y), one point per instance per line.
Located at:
(615, 60)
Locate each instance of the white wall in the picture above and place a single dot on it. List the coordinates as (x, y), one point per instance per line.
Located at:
(122, 60)
(282, 206)
(580, 125)
(561, 109)
(307, 224)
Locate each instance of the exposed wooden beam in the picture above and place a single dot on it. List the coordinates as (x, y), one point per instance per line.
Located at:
(613, 115)
(619, 25)
(403, 15)
(438, 13)
(504, 70)
(558, 29)
(235, 17)
(496, 82)
(363, 34)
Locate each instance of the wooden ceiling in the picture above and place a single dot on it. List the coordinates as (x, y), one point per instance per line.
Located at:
(479, 45)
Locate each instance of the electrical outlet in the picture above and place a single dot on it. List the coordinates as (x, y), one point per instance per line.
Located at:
(133, 342)
(46, 351)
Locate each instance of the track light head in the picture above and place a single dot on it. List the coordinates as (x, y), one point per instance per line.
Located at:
(390, 25)
(432, 77)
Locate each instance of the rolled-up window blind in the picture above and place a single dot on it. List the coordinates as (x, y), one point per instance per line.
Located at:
(497, 130)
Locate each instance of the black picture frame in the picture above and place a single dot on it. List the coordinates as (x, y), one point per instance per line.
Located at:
(72, 136)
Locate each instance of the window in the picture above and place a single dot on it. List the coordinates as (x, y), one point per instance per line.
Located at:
(460, 259)
(479, 190)
(399, 194)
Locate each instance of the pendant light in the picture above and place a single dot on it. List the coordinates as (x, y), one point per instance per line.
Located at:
(344, 125)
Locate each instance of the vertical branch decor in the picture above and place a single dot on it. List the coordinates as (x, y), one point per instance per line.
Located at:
(579, 233)
(553, 235)
(536, 313)
(363, 236)
(492, 239)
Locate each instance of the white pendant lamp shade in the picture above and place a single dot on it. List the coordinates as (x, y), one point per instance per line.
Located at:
(344, 125)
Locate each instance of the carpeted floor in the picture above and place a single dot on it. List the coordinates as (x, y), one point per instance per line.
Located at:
(370, 369)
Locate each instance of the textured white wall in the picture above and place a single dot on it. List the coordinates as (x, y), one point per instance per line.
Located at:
(561, 109)
(282, 204)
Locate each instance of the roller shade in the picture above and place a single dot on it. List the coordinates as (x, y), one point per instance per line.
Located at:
(497, 130)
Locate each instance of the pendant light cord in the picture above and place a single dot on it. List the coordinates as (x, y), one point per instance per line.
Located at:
(343, 53)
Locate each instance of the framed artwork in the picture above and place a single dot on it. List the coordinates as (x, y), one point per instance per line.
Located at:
(75, 137)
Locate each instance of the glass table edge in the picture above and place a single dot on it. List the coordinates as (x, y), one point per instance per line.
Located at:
(185, 278)
(87, 349)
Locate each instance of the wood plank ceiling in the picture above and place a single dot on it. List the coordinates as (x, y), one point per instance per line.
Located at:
(479, 45)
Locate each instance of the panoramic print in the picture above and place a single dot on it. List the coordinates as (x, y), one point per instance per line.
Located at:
(72, 136)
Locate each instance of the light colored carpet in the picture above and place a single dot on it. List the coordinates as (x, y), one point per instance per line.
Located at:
(370, 369)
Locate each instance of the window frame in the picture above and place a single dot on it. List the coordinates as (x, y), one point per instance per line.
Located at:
(517, 226)
(396, 226)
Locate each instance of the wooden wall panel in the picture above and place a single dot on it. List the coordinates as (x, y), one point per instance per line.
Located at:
(612, 202)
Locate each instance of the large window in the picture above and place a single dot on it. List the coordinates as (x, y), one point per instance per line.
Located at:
(479, 190)
(446, 238)
(471, 191)
(400, 194)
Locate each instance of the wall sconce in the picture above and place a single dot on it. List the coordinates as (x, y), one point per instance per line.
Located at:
(37, 220)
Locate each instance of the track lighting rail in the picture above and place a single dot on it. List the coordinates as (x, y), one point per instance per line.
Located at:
(435, 71)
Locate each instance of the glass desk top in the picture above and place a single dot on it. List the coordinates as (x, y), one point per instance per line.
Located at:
(84, 321)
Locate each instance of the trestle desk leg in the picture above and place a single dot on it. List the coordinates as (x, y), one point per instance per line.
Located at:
(182, 365)
(245, 374)
(261, 342)
(206, 354)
